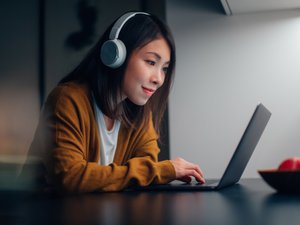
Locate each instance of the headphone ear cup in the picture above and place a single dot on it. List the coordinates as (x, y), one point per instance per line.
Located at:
(113, 53)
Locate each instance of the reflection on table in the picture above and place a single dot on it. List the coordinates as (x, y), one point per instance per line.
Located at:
(250, 202)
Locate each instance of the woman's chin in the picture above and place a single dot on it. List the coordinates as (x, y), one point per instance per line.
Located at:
(139, 102)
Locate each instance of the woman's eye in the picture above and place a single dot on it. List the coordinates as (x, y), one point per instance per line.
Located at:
(150, 62)
(165, 70)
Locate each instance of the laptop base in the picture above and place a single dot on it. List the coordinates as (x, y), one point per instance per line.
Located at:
(210, 185)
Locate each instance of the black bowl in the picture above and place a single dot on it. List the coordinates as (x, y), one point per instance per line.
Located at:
(286, 181)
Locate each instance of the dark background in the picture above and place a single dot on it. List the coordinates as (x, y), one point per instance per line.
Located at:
(40, 42)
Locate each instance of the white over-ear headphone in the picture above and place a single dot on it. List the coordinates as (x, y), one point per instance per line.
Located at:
(113, 51)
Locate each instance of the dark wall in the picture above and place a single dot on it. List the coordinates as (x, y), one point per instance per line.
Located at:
(18, 74)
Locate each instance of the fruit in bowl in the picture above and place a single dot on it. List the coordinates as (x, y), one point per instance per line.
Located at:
(285, 178)
(291, 164)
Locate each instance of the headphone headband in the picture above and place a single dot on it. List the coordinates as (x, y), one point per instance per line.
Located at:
(113, 51)
(117, 27)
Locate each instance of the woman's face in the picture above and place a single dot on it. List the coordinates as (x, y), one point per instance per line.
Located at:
(146, 71)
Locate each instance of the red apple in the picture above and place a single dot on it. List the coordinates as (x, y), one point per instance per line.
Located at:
(290, 164)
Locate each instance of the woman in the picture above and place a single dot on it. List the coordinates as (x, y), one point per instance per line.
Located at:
(99, 127)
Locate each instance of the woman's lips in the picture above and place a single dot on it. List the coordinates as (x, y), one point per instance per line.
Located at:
(148, 91)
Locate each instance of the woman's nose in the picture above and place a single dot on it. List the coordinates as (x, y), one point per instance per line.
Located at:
(158, 78)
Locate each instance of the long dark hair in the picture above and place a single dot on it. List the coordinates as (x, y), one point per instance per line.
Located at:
(106, 83)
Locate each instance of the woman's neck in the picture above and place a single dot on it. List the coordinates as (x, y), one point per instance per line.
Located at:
(109, 123)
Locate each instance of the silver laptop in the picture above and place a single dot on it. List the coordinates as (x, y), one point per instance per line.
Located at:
(238, 162)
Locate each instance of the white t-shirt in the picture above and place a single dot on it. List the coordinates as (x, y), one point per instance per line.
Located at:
(108, 138)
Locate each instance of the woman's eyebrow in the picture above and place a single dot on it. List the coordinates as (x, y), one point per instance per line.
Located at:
(156, 56)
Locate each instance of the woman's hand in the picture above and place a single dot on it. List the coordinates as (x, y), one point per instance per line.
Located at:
(185, 170)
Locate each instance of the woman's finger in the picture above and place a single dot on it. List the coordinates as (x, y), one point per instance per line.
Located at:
(197, 176)
(186, 179)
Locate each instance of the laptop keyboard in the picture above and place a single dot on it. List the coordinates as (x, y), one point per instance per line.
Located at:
(193, 183)
(209, 182)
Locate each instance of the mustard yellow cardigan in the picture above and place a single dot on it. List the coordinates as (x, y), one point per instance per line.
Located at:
(68, 143)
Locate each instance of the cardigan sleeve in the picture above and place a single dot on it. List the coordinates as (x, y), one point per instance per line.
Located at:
(69, 168)
(143, 168)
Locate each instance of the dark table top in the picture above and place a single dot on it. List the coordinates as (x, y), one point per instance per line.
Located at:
(249, 202)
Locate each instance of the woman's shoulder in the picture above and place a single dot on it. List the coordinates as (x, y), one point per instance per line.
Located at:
(71, 88)
(69, 92)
